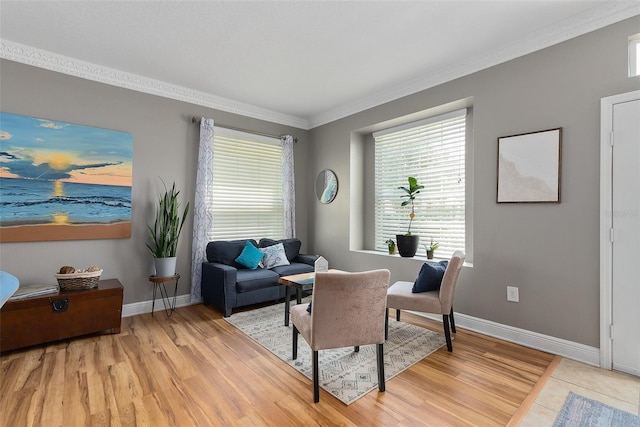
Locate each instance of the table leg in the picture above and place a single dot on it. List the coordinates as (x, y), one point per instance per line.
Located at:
(153, 304)
(166, 299)
(286, 305)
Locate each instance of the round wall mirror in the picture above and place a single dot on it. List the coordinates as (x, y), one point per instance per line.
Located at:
(326, 186)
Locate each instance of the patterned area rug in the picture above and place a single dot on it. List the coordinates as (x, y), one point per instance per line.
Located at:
(345, 374)
(580, 411)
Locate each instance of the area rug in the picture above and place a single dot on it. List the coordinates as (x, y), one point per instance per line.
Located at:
(580, 411)
(345, 374)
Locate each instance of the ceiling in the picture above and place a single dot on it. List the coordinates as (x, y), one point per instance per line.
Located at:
(300, 63)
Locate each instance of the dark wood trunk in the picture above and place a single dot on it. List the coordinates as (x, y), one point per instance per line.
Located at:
(59, 316)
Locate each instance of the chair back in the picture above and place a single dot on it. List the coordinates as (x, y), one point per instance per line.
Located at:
(449, 281)
(348, 309)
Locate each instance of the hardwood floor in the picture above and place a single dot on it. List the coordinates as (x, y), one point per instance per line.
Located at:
(195, 369)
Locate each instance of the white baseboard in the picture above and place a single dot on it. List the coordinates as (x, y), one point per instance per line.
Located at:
(569, 349)
(145, 306)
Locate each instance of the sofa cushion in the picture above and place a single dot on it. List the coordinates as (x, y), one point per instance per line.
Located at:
(274, 256)
(291, 246)
(430, 277)
(250, 256)
(226, 251)
(251, 280)
(293, 268)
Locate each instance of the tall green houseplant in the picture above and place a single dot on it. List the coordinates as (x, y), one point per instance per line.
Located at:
(165, 232)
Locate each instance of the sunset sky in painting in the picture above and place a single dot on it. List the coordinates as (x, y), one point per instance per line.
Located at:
(41, 149)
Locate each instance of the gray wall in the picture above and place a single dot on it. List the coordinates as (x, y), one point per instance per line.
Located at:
(550, 251)
(165, 144)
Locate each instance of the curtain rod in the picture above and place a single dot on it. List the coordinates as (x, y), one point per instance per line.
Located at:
(196, 120)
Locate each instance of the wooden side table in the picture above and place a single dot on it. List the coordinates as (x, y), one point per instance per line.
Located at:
(161, 282)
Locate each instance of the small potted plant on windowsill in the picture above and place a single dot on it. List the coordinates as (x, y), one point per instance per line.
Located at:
(391, 245)
(408, 243)
(431, 249)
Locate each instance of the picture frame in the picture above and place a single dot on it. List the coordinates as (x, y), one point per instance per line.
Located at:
(63, 181)
(529, 167)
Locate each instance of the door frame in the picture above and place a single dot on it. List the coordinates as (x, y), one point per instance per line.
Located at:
(606, 222)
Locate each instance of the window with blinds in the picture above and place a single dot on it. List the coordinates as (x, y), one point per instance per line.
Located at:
(432, 151)
(247, 186)
(634, 55)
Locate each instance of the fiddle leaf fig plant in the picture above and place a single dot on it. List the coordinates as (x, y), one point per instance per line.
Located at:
(410, 194)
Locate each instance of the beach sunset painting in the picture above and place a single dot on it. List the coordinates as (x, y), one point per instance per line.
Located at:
(62, 181)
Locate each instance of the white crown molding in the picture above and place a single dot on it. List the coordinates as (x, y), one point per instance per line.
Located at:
(607, 13)
(50, 61)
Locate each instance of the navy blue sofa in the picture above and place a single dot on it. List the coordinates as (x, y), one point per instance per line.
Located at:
(226, 284)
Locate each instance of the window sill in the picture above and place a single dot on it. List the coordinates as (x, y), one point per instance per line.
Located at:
(418, 258)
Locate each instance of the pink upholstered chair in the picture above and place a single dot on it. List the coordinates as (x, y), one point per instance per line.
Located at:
(348, 309)
(400, 297)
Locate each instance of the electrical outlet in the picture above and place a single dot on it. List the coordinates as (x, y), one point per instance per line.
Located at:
(512, 294)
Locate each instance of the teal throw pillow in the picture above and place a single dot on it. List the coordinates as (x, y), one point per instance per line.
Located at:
(250, 256)
(430, 277)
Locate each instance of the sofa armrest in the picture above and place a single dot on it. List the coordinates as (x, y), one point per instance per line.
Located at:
(218, 286)
(306, 259)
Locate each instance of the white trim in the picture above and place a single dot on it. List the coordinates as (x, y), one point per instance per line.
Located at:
(63, 64)
(569, 349)
(572, 350)
(143, 307)
(604, 14)
(606, 218)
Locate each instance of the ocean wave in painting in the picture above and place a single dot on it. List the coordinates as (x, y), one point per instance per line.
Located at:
(26, 201)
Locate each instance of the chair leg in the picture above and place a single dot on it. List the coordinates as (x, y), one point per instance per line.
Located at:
(316, 387)
(356, 348)
(380, 358)
(447, 333)
(295, 342)
(398, 314)
(386, 324)
(453, 322)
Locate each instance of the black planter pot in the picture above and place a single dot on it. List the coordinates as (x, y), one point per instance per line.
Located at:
(407, 245)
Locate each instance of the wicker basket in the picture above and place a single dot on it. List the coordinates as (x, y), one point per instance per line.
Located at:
(75, 281)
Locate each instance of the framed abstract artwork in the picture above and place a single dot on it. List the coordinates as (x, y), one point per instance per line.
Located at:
(63, 181)
(529, 167)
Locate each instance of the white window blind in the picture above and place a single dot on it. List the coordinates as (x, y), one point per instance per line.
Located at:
(247, 186)
(432, 151)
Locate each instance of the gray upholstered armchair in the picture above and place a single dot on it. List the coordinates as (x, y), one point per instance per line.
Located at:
(400, 296)
(348, 309)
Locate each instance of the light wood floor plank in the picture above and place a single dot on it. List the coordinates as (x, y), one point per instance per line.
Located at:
(196, 369)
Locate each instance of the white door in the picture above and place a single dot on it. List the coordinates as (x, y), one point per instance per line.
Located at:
(625, 268)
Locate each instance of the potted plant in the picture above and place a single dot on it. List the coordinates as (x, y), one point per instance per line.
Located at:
(408, 243)
(166, 230)
(431, 249)
(391, 245)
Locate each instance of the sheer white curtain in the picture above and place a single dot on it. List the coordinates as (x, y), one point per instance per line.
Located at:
(202, 214)
(289, 187)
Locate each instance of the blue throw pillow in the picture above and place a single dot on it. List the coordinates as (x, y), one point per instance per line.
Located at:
(430, 277)
(250, 256)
